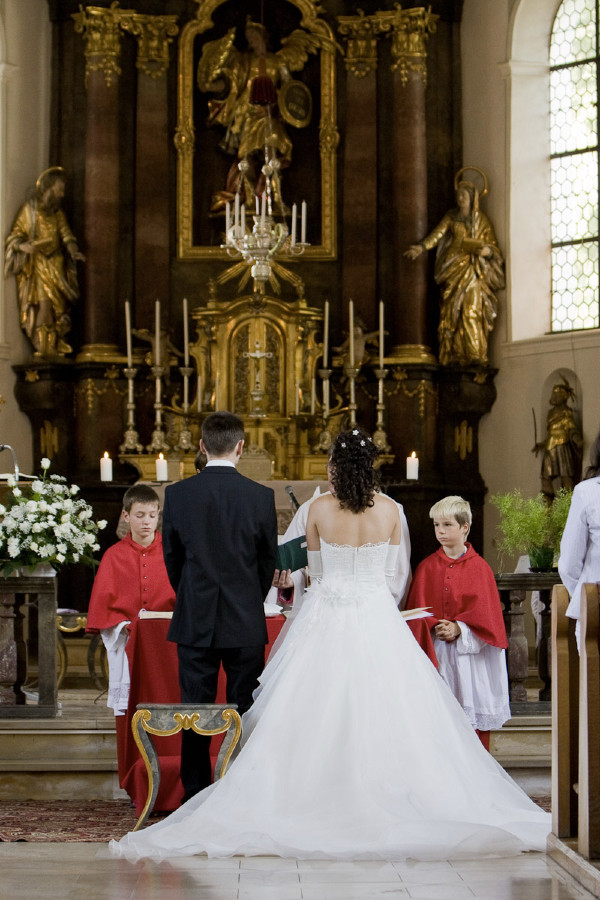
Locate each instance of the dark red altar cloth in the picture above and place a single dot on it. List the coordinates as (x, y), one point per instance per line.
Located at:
(153, 668)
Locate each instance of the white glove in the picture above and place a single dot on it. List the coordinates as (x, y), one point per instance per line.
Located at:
(315, 564)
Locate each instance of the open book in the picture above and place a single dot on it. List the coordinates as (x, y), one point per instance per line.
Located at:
(422, 612)
(155, 614)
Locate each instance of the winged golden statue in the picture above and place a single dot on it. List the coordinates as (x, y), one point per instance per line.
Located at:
(255, 126)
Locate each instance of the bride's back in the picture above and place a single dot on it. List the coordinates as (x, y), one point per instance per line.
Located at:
(377, 523)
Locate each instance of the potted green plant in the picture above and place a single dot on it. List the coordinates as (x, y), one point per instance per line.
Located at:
(531, 525)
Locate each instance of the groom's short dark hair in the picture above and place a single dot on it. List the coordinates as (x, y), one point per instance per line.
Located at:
(221, 431)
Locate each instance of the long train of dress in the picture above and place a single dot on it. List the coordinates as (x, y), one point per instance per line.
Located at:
(354, 748)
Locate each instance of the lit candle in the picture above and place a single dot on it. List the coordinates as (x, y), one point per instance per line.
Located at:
(227, 219)
(326, 334)
(199, 397)
(313, 396)
(128, 334)
(297, 398)
(351, 332)
(186, 335)
(303, 224)
(106, 468)
(162, 468)
(294, 220)
(412, 467)
(157, 333)
(381, 334)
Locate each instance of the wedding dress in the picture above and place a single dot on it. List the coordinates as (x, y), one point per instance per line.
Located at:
(354, 748)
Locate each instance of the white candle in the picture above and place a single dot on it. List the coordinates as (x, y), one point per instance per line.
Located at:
(297, 398)
(412, 467)
(303, 224)
(257, 205)
(128, 334)
(227, 220)
(106, 468)
(199, 397)
(351, 332)
(186, 334)
(381, 332)
(243, 229)
(326, 334)
(294, 220)
(236, 215)
(162, 468)
(157, 333)
(313, 396)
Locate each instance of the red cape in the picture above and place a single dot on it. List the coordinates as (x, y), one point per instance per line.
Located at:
(461, 590)
(130, 577)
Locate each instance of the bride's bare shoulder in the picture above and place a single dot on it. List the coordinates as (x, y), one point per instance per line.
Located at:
(385, 504)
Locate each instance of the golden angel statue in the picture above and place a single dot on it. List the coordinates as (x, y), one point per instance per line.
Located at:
(250, 88)
(42, 252)
(469, 268)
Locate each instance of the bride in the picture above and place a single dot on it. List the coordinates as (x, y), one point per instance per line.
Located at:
(354, 748)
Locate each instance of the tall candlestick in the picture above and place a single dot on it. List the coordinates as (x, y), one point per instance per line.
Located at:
(128, 334)
(157, 391)
(326, 334)
(351, 332)
(162, 468)
(303, 224)
(257, 206)
(381, 333)
(106, 472)
(186, 393)
(294, 220)
(186, 336)
(412, 467)
(325, 398)
(157, 333)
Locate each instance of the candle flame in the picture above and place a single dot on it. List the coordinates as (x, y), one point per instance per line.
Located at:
(413, 455)
(106, 456)
(160, 456)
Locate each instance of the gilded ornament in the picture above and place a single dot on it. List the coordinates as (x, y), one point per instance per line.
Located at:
(154, 34)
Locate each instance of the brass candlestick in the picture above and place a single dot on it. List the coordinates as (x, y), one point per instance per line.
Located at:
(131, 442)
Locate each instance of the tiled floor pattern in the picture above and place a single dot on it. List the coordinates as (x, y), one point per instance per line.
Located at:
(39, 871)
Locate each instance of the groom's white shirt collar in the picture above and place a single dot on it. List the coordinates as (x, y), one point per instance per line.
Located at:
(219, 462)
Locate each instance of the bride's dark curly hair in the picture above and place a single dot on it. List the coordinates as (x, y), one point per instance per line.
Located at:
(351, 469)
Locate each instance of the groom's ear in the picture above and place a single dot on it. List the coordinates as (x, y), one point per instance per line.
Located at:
(202, 447)
(239, 447)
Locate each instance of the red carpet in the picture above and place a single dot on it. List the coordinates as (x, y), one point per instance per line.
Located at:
(71, 820)
(66, 820)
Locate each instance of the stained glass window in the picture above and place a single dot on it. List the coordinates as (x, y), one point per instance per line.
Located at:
(574, 176)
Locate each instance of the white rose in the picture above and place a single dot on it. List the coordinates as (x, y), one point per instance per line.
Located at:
(37, 486)
(33, 546)
(17, 492)
(74, 489)
(45, 463)
(60, 558)
(36, 527)
(102, 524)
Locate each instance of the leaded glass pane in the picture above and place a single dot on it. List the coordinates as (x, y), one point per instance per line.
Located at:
(574, 197)
(573, 115)
(574, 32)
(575, 282)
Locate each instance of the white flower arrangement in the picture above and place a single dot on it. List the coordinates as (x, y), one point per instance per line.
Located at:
(43, 522)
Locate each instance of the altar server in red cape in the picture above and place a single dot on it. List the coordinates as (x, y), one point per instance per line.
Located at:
(466, 634)
(132, 576)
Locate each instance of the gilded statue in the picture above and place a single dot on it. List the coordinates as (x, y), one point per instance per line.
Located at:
(254, 126)
(469, 269)
(42, 252)
(562, 445)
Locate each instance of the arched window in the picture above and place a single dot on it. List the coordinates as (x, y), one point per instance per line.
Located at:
(575, 176)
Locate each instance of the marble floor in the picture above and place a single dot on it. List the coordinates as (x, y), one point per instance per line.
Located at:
(29, 870)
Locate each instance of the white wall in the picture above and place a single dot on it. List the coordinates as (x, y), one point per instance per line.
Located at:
(505, 132)
(25, 42)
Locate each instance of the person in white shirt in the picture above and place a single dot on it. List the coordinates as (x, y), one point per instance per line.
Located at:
(579, 560)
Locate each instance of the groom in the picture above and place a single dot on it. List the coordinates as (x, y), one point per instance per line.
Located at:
(220, 544)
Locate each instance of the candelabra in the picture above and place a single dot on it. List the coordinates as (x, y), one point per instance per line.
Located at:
(267, 237)
(158, 442)
(379, 435)
(131, 443)
(185, 435)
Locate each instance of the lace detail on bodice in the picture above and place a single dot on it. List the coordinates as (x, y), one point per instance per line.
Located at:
(364, 565)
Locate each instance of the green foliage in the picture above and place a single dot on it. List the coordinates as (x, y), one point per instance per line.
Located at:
(530, 523)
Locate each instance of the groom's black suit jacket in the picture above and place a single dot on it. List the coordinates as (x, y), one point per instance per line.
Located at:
(220, 545)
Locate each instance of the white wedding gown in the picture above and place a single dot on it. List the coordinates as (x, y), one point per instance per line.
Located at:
(354, 748)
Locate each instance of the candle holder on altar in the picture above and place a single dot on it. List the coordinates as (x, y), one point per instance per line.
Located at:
(325, 375)
(158, 442)
(351, 373)
(131, 439)
(184, 441)
(379, 435)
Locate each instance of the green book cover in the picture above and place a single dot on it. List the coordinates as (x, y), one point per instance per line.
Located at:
(292, 555)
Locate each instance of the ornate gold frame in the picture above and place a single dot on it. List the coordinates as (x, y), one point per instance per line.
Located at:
(185, 135)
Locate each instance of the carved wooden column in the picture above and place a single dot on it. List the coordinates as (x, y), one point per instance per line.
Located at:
(151, 248)
(102, 33)
(410, 29)
(359, 213)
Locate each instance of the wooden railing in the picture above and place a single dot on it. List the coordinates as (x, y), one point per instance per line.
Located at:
(576, 723)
